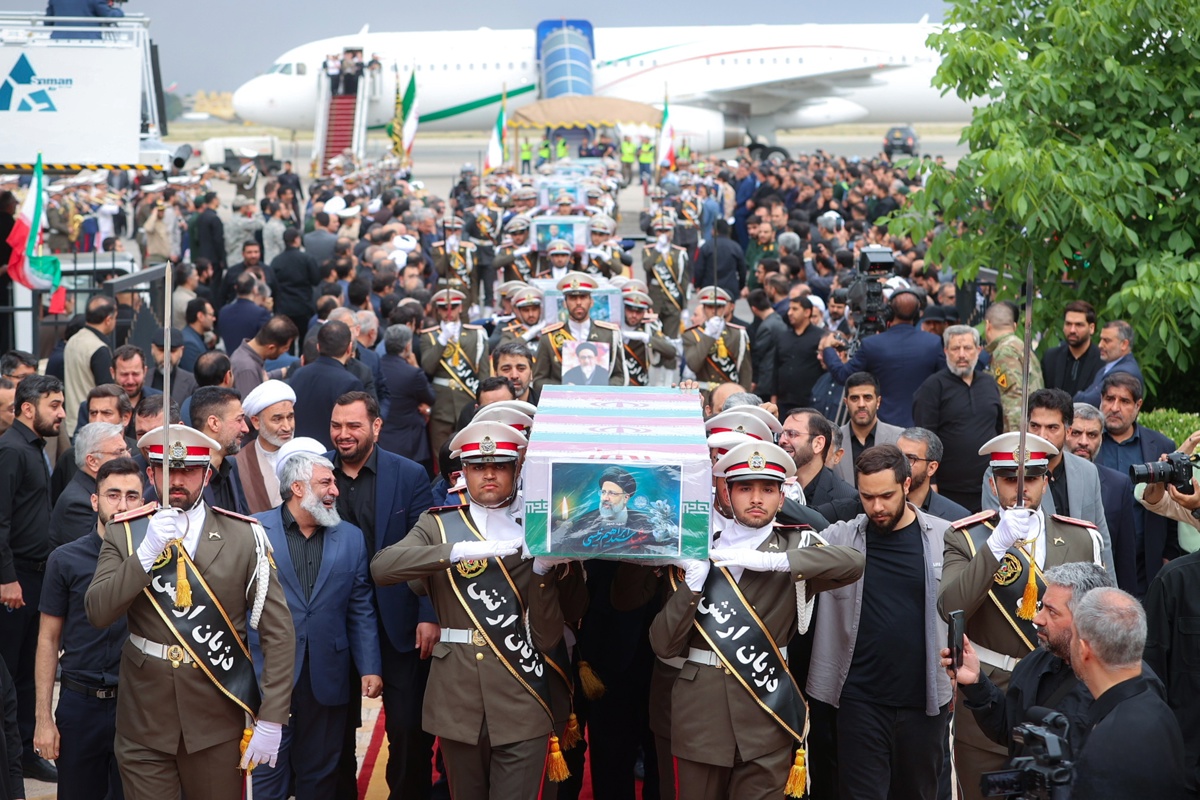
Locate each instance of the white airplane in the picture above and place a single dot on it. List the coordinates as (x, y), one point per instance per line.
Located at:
(723, 83)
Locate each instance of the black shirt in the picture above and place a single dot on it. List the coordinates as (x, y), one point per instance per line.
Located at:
(221, 484)
(964, 416)
(306, 551)
(24, 500)
(91, 656)
(356, 501)
(796, 366)
(856, 448)
(1058, 487)
(888, 667)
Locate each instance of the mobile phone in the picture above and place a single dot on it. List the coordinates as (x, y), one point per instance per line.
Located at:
(954, 637)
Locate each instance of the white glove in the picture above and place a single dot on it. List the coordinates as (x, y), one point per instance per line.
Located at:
(533, 332)
(635, 336)
(448, 333)
(263, 747)
(753, 560)
(166, 524)
(521, 251)
(544, 564)
(714, 326)
(487, 548)
(695, 572)
(1015, 526)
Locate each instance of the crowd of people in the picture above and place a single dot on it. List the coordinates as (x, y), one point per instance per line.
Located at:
(354, 372)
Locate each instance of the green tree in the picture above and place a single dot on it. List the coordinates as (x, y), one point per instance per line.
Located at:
(1083, 159)
(174, 106)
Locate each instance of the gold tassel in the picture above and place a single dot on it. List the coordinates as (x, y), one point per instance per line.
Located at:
(797, 781)
(457, 358)
(183, 587)
(556, 765)
(593, 687)
(722, 350)
(247, 733)
(571, 735)
(1029, 599)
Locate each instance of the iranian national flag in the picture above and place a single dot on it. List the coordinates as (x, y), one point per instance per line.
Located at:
(666, 137)
(409, 105)
(27, 266)
(495, 151)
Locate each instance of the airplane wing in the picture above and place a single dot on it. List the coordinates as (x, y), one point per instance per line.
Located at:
(820, 83)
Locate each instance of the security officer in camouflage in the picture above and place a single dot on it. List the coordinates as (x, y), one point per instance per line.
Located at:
(1008, 354)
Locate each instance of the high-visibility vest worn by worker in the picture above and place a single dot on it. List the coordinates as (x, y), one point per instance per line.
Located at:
(628, 152)
(561, 152)
(544, 149)
(646, 153)
(526, 151)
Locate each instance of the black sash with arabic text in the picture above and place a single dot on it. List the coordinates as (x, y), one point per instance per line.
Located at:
(204, 630)
(746, 648)
(638, 374)
(460, 368)
(1008, 584)
(666, 279)
(726, 366)
(491, 599)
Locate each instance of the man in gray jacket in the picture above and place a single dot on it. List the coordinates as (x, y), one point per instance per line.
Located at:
(877, 646)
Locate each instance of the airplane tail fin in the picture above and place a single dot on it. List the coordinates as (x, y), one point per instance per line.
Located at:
(924, 20)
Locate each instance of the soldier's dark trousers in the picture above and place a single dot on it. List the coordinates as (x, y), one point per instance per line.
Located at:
(86, 762)
(509, 772)
(18, 648)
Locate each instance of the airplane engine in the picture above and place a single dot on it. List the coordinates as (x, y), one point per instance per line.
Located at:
(822, 111)
(706, 129)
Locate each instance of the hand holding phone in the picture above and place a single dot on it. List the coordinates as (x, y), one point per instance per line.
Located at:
(954, 638)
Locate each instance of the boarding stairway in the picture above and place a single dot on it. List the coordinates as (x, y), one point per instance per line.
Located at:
(341, 124)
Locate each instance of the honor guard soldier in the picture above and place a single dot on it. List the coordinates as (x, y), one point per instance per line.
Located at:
(577, 288)
(516, 261)
(454, 259)
(527, 326)
(482, 228)
(687, 217)
(644, 344)
(605, 256)
(246, 177)
(191, 580)
(455, 357)
(737, 714)
(559, 255)
(716, 350)
(658, 208)
(489, 693)
(667, 273)
(992, 570)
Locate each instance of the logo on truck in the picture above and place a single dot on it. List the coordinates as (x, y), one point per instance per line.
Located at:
(25, 90)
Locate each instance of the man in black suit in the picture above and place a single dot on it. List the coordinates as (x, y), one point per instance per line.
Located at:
(243, 318)
(183, 383)
(1073, 365)
(251, 262)
(320, 383)
(406, 425)
(722, 262)
(1116, 493)
(806, 437)
(210, 234)
(298, 274)
(290, 180)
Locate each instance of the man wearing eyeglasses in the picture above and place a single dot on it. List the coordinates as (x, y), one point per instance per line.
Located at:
(79, 737)
(73, 516)
(806, 437)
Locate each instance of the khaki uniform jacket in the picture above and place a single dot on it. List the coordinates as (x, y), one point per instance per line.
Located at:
(158, 703)
(448, 278)
(514, 331)
(547, 368)
(469, 686)
(505, 262)
(698, 346)
(714, 718)
(679, 268)
(452, 399)
(653, 352)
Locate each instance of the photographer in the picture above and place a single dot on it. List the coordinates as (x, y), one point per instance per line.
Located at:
(1044, 677)
(1134, 748)
(901, 357)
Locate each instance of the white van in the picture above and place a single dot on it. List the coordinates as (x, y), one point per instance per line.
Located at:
(222, 151)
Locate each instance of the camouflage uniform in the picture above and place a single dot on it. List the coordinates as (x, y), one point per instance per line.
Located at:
(1007, 352)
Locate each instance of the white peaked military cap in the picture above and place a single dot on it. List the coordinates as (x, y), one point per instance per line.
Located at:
(528, 409)
(755, 460)
(449, 297)
(186, 447)
(1005, 454)
(506, 416)
(488, 441)
(529, 296)
(265, 395)
(577, 283)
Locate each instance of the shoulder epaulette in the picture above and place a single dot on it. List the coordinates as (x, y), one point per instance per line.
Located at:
(694, 327)
(611, 326)
(798, 528)
(556, 326)
(469, 327)
(966, 522)
(141, 511)
(234, 514)
(439, 243)
(439, 509)
(467, 245)
(735, 326)
(1072, 521)
(429, 330)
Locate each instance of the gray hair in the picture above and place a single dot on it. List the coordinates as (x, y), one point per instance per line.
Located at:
(262, 289)
(1078, 576)
(837, 440)
(299, 467)
(346, 315)
(741, 399)
(367, 321)
(790, 241)
(1089, 412)
(396, 339)
(933, 444)
(90, 436)
(1113, 624)
(1123, 329)
(960, 330)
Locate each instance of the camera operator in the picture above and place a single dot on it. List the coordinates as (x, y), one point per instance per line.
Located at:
(1134, 748)
(901, 357)
(1044, 677)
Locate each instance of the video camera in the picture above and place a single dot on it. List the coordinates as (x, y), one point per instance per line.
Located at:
(1176, 471)
(1045, 775)
(868, 307)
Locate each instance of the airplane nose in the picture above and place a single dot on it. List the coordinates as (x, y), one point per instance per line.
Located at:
(252, 100)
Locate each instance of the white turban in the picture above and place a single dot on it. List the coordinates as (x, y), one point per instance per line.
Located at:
(265, 395)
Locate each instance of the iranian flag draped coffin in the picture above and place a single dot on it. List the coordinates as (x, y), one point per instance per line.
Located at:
(617, 473)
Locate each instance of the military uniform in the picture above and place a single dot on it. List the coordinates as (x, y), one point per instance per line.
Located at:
(719, 360)
(449, 368)
(547, 368)
(58, 219)
(246, 178)
(667, 275)
(456, 268)
(992, 593)
(518, 331)
(483, 230)
(687, 223)
(1008, 351)
(644, 346)
(517, 263)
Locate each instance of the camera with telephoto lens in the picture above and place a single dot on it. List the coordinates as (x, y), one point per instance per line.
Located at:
(864, 297)
(1176, 471)
(1044, 775)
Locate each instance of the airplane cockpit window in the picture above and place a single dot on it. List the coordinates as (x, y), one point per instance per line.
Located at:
(301, 68)
(286, 69)
(274, 68)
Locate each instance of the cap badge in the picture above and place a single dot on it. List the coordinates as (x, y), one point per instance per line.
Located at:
(178, 451)
(757, 462)
(487, 446)
(1016, 455)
